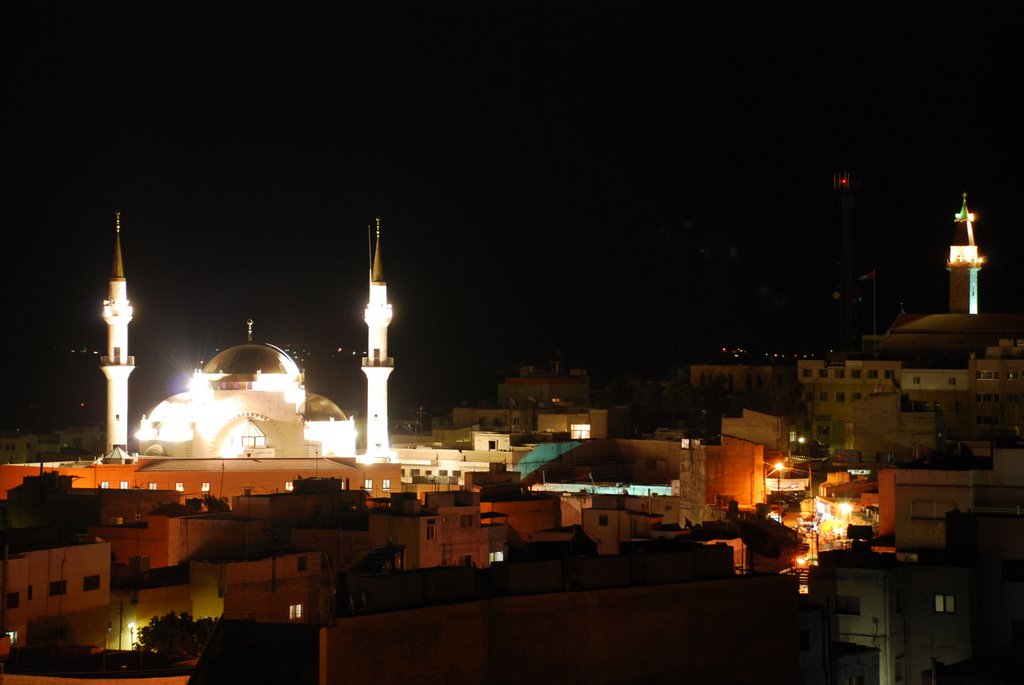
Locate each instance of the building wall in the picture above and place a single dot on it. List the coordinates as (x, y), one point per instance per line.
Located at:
(880, 428)
(865, 607)
(341, 548)
(599, 636)
(527, 516)
(830, 388)
(139, 606)
(262, 476)
(735, 470)
(68, 612)
(764, 429)
(946, 636)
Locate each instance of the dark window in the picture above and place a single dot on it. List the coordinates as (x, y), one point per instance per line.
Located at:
(91, 583)
(806, 374)
(602, 519)
(872, 373)
(848, 604)
(58, 587)
(822, 373)
(303, 562)
(854, 373)
(13, 600)
(805, 640)
(29, 592)
(1013, 570)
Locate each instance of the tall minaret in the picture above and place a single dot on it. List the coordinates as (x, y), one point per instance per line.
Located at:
(117, 365)
(963, 265)
(377, 365)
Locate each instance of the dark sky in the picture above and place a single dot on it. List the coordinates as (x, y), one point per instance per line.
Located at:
(624, 186)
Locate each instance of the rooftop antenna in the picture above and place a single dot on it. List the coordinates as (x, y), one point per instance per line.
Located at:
(248, 323)
(845, 183)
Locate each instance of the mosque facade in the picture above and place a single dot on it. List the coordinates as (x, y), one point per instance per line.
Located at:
(250, 400)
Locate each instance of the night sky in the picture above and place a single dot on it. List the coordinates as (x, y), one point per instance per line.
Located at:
(626, 187)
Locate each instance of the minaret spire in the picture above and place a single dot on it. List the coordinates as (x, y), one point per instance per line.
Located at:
(964, 264)
(116, 364)
(378, 264)
(117, 269)
(377, 365)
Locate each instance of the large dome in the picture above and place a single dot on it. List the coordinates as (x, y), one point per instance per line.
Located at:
(246, 360)
(319, 408)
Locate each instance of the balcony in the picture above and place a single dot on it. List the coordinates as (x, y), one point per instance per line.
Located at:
(386, 361)
(117, 361)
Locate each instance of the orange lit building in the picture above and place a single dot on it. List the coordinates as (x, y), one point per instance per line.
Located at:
(222, 478)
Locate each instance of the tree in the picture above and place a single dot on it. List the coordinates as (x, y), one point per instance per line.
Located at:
(175, 634)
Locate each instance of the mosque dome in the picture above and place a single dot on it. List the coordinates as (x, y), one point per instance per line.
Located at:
(250, 359)
(319, 408)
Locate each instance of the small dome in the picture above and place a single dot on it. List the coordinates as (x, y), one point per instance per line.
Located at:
(251, 359)
(319, 408)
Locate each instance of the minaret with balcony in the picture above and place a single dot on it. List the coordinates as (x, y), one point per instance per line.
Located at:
(377, 365)
(116, 364)
(963, 265)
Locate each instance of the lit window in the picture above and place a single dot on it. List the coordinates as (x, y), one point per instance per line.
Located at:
(205, 487)
(104, 484)
(495, 557)
(152, 486)
(289, 485)
(386, 483)
(294, 612)
(180, 487)
(368, 484)
(124, 485)
(579, 431)
(945, 604)
(13, 634)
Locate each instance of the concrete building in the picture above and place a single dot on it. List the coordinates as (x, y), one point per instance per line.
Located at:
(611, 520)
(57, 592)
(287, 587)
(830, 387)
(913, 502)
(446, 530)
(884, 430)
(912, 613)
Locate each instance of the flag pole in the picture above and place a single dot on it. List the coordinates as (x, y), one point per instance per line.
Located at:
(874, 311)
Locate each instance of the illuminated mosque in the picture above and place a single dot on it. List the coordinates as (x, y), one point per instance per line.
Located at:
(249, 400)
